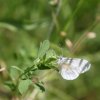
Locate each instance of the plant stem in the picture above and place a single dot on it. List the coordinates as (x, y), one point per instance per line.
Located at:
(73, 14)
(54, 21)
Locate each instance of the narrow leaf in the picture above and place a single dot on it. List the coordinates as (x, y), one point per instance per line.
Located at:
(41, 86)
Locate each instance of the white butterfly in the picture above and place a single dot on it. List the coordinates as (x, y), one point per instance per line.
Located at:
(71, 68)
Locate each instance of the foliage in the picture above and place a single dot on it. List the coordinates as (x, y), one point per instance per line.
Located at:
(46, 59)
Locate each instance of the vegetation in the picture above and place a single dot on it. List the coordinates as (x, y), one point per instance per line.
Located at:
(33, 34)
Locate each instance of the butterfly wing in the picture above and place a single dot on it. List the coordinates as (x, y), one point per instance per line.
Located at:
(84, 65)
(69, 73)
(75, 67)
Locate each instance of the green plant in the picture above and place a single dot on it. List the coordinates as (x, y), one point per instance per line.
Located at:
(22, 79)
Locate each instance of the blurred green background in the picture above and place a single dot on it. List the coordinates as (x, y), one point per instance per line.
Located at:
(73, 28)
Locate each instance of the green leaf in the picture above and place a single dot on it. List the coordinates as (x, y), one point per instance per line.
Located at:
(43, 48)
(50, 54)
(14, 72)
(43, 67)
(40, 85)
(24, 85)
(17, 68)
(11, 85)
(36, 61)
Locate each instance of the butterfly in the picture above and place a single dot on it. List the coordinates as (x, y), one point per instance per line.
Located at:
(71, 68)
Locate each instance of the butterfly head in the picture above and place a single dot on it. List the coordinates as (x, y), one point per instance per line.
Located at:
(61, 60)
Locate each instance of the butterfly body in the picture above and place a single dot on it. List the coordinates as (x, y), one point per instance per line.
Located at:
(71, 68)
